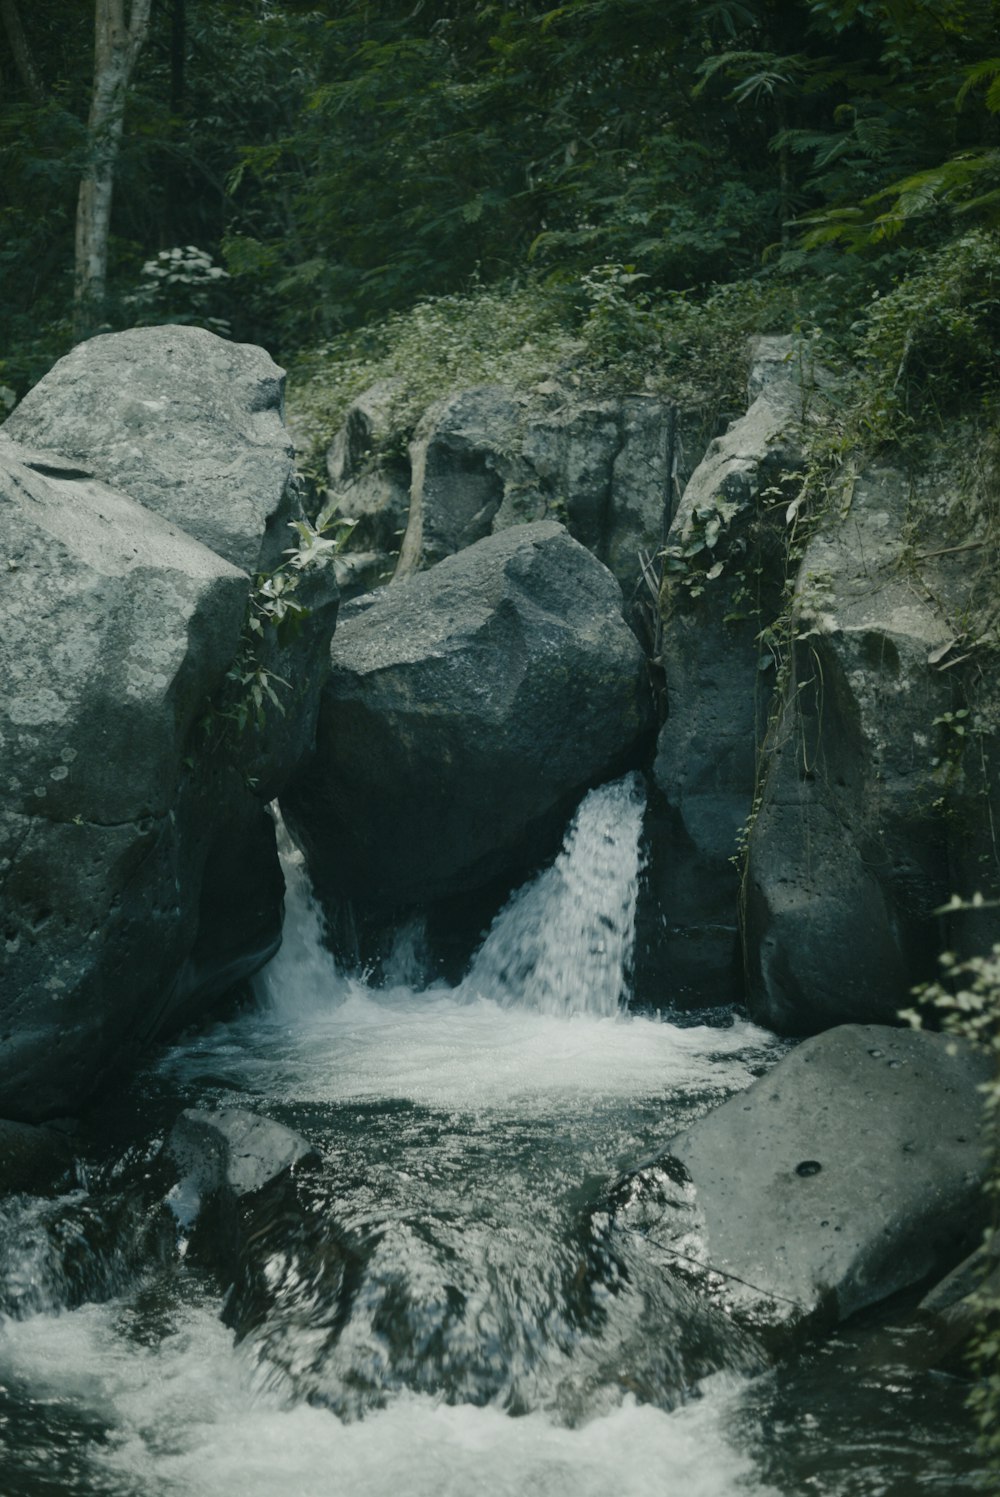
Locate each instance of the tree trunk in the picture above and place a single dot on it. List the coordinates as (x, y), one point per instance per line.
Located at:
(117, 44)
(20, 51)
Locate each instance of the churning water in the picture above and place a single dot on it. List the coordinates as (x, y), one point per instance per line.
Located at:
(433, 1316)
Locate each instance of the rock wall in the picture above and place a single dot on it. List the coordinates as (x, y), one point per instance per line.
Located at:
(723, 583)
(880, 796)
(485, 458)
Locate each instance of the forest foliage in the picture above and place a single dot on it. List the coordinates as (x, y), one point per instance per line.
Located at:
(294, 173)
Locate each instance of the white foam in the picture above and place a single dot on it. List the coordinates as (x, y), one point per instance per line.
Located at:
(186, 1417)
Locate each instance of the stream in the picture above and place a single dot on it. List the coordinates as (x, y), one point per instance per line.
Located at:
(475, 1343)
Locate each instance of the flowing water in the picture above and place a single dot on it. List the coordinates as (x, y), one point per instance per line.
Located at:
(433, 1315)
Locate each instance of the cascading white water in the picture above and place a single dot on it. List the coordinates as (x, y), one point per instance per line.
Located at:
(563, 944)
(465, 1132)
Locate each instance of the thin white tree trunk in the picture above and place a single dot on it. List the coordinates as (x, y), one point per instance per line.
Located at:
(117, 44)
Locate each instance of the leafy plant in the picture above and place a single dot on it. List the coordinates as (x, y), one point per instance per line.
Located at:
(965, 1003)
(275, 610)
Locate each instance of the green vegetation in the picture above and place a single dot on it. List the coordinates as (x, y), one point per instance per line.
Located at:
(305, 175)
(966, 1004)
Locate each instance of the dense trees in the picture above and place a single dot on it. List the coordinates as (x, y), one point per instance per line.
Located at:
(341, 160)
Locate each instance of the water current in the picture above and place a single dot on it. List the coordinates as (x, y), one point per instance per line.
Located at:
(435, 1320)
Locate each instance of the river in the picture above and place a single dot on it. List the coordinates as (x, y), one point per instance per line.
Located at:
(479, 1347)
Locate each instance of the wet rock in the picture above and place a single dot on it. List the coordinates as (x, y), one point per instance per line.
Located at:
(230, 1154)
(468, 707)
(238, 1196)
(852, 1170)
(879, 801)
(959, 1309)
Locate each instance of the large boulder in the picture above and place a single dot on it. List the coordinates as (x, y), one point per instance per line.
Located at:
(852, 1170)
(190, 426)
(467, 709)
(186, 423)
(117, 631)
(880, 797)
(138, 864)
(725, 563)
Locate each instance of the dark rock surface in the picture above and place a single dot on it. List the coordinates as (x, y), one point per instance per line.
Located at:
(467, 708)
(485, 458)
(723, 584)
(850, 1171)
(138, 867)
(879, 802)
(32, 1159)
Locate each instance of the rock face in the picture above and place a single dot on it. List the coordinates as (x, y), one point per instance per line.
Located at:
(882, 766)
(485, 458)
(850, 1171)
(723, 583)
(33, 1160)
(188, 424)
(138, 869)
(466, 710)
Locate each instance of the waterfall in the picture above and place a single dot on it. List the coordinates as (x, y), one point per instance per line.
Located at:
(563, 943)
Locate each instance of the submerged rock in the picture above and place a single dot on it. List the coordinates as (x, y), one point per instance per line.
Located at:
(852, 1170)
(226, 1155)
(467, 709)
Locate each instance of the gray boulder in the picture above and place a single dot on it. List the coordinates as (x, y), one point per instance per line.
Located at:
(227, 1155)
(190, 426)
(723, 584)
(852, 1170)
(117, 630)
(879, 800)
(138, 865)
(186, 423)
(457, 460)
(466, 710)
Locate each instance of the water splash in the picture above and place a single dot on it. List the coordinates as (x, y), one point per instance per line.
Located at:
(303, 980)
(563, 943)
